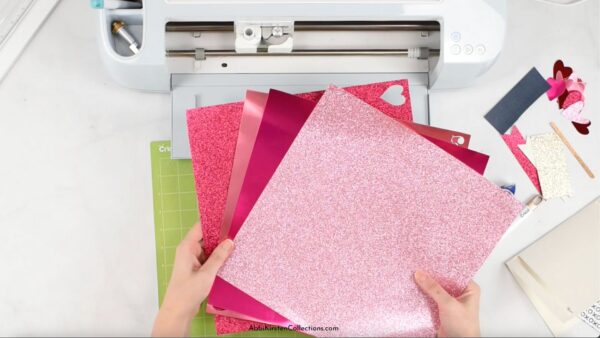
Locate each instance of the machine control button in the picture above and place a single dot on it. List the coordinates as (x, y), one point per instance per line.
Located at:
(480, 49)
(468, 49)
(455, 49)
(455, 36)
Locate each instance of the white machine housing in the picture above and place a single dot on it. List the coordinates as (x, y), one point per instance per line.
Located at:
(471, 32)
(207, 52)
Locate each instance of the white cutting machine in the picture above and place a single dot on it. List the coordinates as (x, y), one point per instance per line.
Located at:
(210, 51)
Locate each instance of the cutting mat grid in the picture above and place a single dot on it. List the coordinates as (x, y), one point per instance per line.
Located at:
(175, 211)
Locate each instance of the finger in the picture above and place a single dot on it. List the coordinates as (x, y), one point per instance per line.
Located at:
(472, 293)
(188, 248)
(193, 241)
(432, 288)
(194, 234)
(202, 257)
(472, 288)
(218, 257)
(196, 265)
(196, 249)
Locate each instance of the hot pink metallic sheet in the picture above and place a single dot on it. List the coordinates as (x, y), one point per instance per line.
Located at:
(252, 113)
(232, 302)
(474, 160)
(283, 118)
(513, 140)
(449, 136)
(305, 250)
(226, 299)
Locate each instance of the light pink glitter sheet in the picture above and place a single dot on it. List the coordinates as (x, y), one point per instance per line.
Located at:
(283, 118)
(357, 205)
(269, 150)
(213, 133)
(272, 142)
(513, 140)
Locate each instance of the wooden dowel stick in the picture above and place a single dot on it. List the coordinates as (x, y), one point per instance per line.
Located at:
(572, 150)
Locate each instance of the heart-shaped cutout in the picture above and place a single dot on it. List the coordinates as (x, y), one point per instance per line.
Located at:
(583, 129)
(457, 140)
(575, 84)
(557, 88)
(560, 71)
(572, 98)
(394, 95)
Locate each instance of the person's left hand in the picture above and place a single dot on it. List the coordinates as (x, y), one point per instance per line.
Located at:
(190, 284)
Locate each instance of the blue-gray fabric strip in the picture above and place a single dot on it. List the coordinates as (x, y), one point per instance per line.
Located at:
(515, 103)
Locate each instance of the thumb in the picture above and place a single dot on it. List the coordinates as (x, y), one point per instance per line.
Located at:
(432, 288)
(218, 257)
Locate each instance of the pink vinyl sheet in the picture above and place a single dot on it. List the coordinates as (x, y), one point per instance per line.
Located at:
(252, 114)
(227, 300)
(356, 206)
(283, 118)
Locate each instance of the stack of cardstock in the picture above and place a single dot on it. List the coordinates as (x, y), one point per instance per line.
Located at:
(338, 227)
(267, 153)
(560, 273)
(276, 133)
(213, 132)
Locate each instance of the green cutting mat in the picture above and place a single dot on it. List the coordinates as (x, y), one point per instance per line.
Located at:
(175, 211)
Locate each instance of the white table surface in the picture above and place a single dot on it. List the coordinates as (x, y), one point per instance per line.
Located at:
(77, 253)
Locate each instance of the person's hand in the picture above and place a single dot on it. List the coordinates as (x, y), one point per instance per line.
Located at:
(190, 283)
(459, 317)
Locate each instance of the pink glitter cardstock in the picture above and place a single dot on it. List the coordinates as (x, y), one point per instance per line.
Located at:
(268, 151)
(272, 142)
(213, 133)
(513, 140)
(357, 205)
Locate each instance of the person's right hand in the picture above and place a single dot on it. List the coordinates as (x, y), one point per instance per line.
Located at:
(459, 317)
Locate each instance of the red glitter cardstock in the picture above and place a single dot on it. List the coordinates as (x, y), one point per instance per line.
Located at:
(357, 205)
(213, 133)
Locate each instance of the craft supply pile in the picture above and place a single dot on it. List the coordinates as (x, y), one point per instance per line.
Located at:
(334, 199)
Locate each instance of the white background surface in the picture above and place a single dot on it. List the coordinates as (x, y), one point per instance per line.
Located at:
(77, 250)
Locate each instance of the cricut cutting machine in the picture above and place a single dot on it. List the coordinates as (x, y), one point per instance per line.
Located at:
(210, 51)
